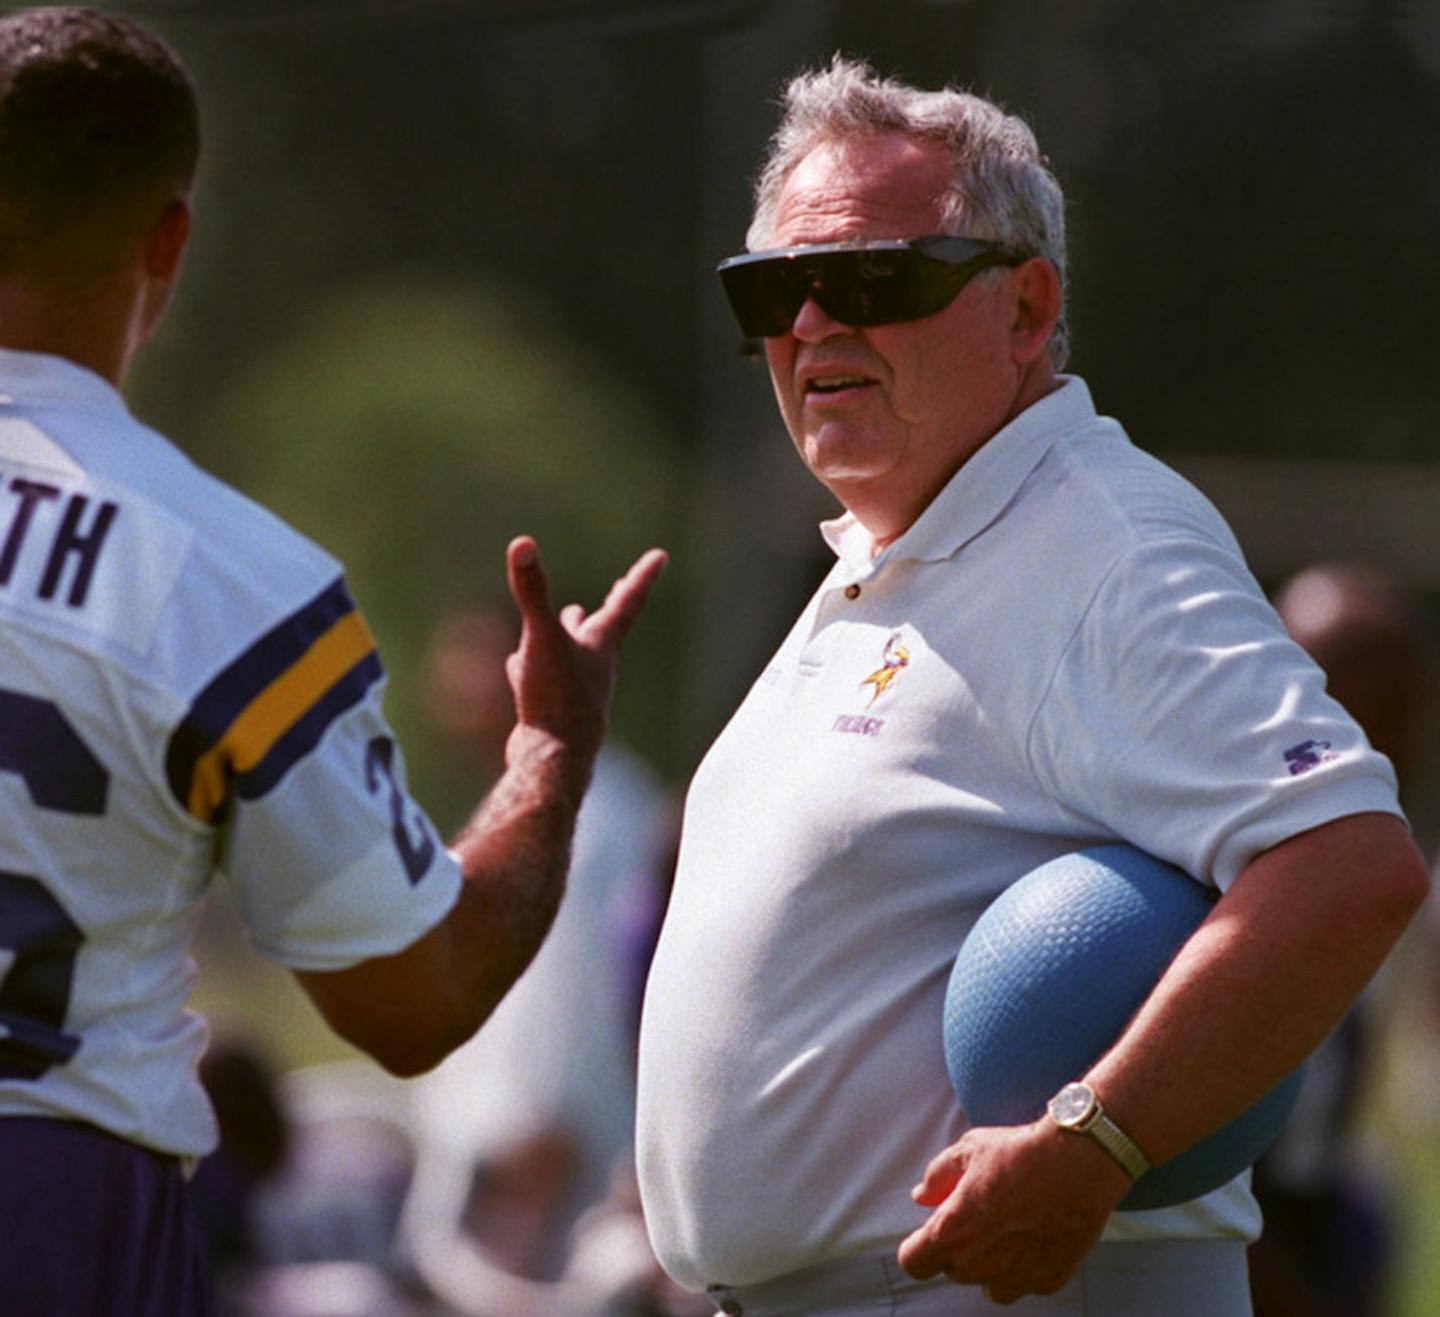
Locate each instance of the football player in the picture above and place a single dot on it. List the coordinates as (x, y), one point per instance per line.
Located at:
(186, 686)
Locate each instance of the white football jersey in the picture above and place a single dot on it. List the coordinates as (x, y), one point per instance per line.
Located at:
(185, 687)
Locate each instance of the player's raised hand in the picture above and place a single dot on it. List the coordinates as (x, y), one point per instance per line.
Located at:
(563, 673)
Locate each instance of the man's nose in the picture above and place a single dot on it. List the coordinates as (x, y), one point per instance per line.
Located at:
(813, 323)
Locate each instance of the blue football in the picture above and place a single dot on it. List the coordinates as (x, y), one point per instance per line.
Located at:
(1049, 977)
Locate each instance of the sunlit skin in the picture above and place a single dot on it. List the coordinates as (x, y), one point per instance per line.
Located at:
(98, 300)
(916, 398)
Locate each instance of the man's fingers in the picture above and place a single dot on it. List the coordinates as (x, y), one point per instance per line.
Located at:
(527, 580)
(929, 1250)
(920, 1255)
(627, 597)
(942, 1247)
(941, 1177)
(612, 619)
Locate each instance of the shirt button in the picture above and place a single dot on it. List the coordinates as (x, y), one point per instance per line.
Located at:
(852, 592)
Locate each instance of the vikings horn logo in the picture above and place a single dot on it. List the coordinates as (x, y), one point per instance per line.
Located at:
(894, 659)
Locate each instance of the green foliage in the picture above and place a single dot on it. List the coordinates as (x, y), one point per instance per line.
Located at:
(413, 430)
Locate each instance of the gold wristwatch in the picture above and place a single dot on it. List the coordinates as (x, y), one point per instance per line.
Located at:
(1076, 1108)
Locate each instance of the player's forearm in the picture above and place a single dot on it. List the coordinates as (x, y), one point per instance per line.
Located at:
(411, 1009)
(1273, 969)
(514, 854)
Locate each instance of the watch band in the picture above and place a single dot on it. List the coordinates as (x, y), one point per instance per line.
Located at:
(1116, 1142)
(1076, 1108)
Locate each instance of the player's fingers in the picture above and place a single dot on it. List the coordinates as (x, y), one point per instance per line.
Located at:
(572, 618)
(627, 596)
(527, 580)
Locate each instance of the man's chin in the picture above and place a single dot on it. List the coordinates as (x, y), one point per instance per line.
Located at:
(842, 450)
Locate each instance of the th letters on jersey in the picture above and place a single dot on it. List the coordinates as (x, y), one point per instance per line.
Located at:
(77, 538)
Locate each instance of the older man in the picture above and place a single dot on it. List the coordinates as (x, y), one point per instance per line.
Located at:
(186, 685)
(1035, 638)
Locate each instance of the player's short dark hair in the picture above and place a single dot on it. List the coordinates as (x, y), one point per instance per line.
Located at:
(95, 112)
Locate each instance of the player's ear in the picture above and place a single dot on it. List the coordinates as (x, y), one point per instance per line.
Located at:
(163, 254)
(165, 244)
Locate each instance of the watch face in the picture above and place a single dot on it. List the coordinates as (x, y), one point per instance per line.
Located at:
(1072, 1104)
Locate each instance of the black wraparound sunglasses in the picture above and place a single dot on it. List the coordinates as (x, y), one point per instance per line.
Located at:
(859, 284)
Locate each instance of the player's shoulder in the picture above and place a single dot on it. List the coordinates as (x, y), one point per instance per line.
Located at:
(229, 532)
(120, 544)
(246, 573)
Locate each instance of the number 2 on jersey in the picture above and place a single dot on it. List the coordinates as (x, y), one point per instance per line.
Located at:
(415, 854)
(60, 774)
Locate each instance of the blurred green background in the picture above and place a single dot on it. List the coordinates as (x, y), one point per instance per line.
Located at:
(452, 280)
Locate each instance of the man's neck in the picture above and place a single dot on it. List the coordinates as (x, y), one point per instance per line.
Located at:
(92, 333)
(887, 522)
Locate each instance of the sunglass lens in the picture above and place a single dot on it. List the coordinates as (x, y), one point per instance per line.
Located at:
(766, 296)
(863, 287)
(859, 286)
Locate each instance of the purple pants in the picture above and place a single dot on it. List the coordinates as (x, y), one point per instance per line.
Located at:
(94, 1226)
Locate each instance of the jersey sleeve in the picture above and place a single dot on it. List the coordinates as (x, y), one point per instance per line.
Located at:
(286, 753)
(1184, 719)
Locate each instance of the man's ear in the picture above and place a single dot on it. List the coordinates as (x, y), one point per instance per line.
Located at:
(163, 253)
(1037, 308)
(165, 246)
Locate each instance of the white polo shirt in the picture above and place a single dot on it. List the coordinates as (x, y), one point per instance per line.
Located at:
(1065, 649)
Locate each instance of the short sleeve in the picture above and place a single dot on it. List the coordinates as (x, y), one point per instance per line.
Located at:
(287, 754)
(1182, 718)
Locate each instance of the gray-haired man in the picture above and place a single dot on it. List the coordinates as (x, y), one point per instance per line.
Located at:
(1035, 638)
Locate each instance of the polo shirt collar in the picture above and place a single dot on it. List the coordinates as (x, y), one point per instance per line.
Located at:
(979, 491)
(37, 379)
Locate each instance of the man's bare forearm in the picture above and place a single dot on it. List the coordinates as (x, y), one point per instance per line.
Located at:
(1275, 967)
(1270, 972)
(514, 854)
(410, 1009)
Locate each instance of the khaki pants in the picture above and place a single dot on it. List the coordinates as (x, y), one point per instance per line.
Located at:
(1199, 1278)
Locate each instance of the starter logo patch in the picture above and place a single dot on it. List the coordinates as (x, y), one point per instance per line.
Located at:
(1307, 755)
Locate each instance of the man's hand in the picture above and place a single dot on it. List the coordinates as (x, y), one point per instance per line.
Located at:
(410, 1009)
(563, 673)
(1017, 1209)
(1242, 1005)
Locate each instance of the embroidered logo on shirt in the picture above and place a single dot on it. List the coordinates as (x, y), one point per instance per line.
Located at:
(857, 724)
(1307, 755)
(895, 659)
